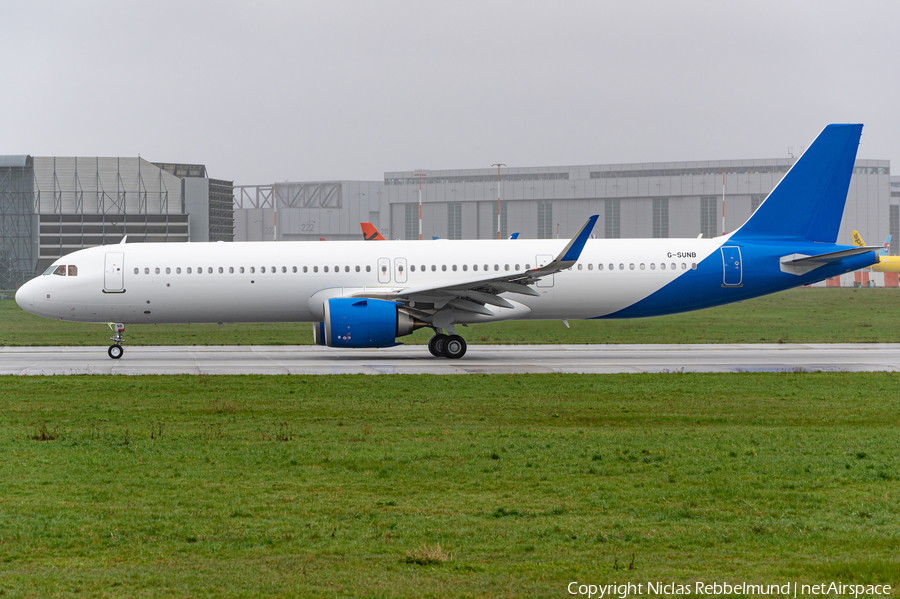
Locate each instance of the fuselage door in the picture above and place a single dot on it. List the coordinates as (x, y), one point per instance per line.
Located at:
(731, 263)
(400, 270)
(544, 260)
(384, 270)
(114, 272)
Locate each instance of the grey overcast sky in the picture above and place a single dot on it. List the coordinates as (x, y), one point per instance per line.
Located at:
(269, 91)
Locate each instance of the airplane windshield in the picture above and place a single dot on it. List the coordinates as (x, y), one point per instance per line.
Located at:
(62, 269)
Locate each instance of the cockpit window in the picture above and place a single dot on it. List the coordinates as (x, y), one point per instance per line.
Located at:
(50, 270)
(73, 270)
(60, 270)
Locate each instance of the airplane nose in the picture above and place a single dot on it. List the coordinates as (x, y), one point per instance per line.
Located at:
(25, 296)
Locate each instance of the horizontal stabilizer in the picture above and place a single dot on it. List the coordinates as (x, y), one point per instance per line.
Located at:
(800, 264)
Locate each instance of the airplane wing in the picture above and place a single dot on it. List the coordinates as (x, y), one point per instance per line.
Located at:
(475, 294)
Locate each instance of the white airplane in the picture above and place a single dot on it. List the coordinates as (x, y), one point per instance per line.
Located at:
(361, 294)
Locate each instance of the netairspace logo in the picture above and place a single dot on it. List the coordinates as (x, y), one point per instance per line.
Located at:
(789, 589)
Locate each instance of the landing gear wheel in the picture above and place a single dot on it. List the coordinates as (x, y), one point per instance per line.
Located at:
(454, 347)
(436, 345)
(115, 351)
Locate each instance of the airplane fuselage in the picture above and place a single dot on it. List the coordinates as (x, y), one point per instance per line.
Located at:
(290, 281)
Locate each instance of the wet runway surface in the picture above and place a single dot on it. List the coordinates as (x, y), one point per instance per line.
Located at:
(415, 359)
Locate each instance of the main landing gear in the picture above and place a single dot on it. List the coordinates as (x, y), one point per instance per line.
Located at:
(115, 350)
(447, 346)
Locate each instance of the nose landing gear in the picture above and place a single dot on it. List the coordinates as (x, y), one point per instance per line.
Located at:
(115, 350)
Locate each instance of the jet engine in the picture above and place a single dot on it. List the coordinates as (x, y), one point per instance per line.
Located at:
(361, 322)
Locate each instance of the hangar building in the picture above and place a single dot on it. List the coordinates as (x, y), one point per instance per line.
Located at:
(678, 199)
(51, 206)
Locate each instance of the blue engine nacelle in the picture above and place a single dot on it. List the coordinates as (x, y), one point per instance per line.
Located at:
(360, 322)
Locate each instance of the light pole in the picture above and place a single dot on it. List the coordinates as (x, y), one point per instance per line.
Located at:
(498, 165)
(420, 173)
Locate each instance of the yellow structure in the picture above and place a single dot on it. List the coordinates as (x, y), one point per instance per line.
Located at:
(885, 263)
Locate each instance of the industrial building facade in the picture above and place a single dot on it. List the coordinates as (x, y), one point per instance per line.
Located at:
(52, 206)
(644, 200)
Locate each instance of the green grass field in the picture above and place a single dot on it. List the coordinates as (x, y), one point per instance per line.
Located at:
(415, 486)
(807, 315)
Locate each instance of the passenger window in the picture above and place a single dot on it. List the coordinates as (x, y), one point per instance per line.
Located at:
(487, 268)
(241, 270)
(368, 268)
(631, 266)
(252, 269)
(683, 266)
(284, 269)
(590, 266)
(231, 270)
(156, 270)
(73, 270)
(305, 269)
(465, 267)
(178, 270)
(188, 270)
(357, 268)
(326, 269)
(412, 268)
(262, 269)
(454, 268)
(517, 267)
(433, 268)
(346, 269)
(146, 271)
(693, 266)
(221, 270)
(496, 267)
(662, 266)
(527, 267)
(295, 269)
(475, 267)
(506, 267)
(642, 266)
(612, 266)
(316, 269)
(673, 266)
(621, 266)
(580, 267)
(136, 271)
(274, 270)
(444, 267)
(652, 266)
(209, 270)
(599, 267)
(337, 269)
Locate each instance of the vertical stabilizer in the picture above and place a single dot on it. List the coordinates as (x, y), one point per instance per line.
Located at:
(809, 201)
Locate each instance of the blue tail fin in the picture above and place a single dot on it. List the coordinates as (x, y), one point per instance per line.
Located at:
(808, 203)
